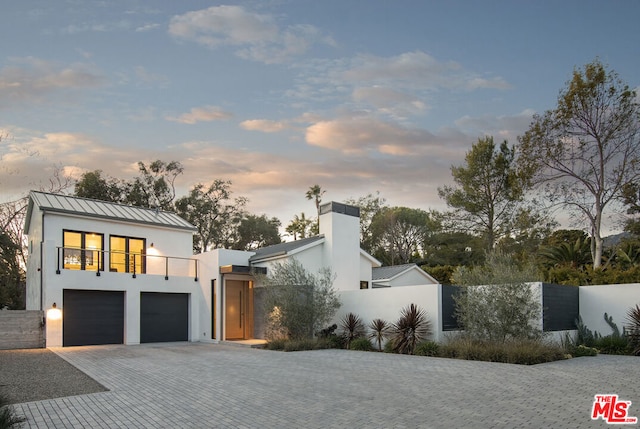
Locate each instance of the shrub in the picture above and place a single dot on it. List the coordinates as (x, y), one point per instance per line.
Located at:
(388, 347)
(523, 352)
(633, 329)
(581, 350)
(379, 331)
(277, 344)
(427, 348)
(352, 328)
(8, 416)
(411, 328)
(612, 345)
(300, 345)
(362, 344)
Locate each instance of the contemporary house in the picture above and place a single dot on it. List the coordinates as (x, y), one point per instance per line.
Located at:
(108, 273)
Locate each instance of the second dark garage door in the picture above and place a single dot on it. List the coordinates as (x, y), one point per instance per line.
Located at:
(164, 317)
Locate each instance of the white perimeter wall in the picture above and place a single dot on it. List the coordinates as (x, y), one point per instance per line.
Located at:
(387, 303)
(615, 300)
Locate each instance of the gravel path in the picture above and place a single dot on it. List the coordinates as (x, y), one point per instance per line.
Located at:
(36, 374)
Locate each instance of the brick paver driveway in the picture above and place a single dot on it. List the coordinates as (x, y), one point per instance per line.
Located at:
(194, 385)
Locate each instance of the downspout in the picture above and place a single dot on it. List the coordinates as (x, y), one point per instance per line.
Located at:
(41, 265)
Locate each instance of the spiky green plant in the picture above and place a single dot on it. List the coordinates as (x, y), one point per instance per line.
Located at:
(379, 330)
(633, 328)
(352, 328)
(411, 328)
(8, 417)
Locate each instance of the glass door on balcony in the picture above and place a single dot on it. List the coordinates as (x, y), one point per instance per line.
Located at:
(127, 254)
(82, 250)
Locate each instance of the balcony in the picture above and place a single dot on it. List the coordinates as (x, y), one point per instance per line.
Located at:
(134, 264)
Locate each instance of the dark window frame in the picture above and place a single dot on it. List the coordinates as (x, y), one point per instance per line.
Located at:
(82, 250)
(140, 267)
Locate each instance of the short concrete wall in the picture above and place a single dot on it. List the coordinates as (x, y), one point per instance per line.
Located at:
(615, 300)
(21, 329)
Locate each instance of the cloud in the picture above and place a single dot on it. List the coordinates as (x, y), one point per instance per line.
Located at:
(256, 36)
(201, 114)
(417, 70)
(397, 86)
(264, 125)
(147, 27)
(367, 134)
(387, 100)
(31, 79)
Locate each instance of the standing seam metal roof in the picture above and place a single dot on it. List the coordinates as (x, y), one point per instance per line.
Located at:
(283, 248)
(106, 210)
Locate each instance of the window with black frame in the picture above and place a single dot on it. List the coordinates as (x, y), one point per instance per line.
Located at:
(82, 250)
(127, 254)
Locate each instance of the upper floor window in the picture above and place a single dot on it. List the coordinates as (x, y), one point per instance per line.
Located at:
(82, 250)
(127, 254)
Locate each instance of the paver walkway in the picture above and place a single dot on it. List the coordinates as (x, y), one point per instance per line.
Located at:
(193, 385)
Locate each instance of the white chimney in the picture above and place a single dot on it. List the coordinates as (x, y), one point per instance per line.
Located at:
(340, 224)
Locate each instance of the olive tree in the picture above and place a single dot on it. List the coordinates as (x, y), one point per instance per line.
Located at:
(496, 302)
(585, 151)
(296, 301)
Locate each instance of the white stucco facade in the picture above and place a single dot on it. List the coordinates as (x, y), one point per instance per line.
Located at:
(168, 267)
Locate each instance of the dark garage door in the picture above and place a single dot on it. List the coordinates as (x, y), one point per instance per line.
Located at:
(164, 317)
(92, 317)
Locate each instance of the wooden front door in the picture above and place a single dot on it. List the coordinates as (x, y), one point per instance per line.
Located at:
(238, 310)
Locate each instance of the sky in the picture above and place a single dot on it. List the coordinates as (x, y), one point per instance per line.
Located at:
(358, 96)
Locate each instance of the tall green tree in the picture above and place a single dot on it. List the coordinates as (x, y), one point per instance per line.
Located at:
(369, 205)
(583, 152)
(400, 234)
(488, 190)
(631, 199)
(12, 276)
(214, 214)
(257, 231)
(155, 186)
(97, 186)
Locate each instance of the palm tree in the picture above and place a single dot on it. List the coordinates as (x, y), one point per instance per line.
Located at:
(574, 255)
(315, 193)
(299, 226)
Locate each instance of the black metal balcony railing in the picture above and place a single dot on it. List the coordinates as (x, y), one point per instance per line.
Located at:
(79, 259)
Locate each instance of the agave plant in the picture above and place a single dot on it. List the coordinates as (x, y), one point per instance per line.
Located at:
(633, 328)
(352, 328)
(411, 328)
(379, 330)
